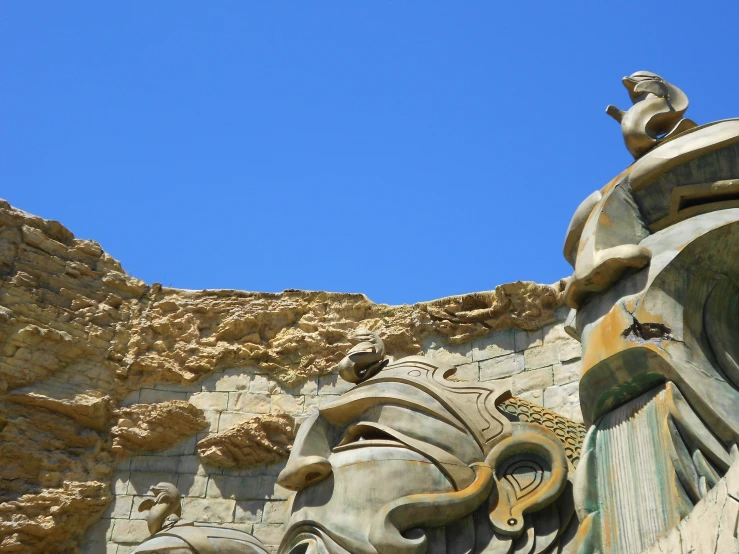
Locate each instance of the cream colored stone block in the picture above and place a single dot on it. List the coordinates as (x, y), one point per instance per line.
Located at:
(212, 418)
(209, 510)
(131, 399)
(286, 404)
(190, 464)
(558, 396)
(535, 396)
(555, 333)
(567, 372)
(120, 482)
(233, 380)
(527, 339)
(576, 413)
(323, 400)
(243, 527)
(141, 481)
(249, 402)
(570, 350)
(541, 356)
(532, 380)
(437, 350)
(333, 384)
(492, 346)
(155, 464)
(260, 384)
(120, 508)
(467, 372)
(275, 512)
(137, 500)
(100, 531)
(309, 388)
(310, 404)
(152, 396)
(269, 533)
(129, 531)
(229, 419)
(269, 489)
(502, 366)
(249, 511)
(236, 487)
(192, 485)
(501, 384)
(214, 401)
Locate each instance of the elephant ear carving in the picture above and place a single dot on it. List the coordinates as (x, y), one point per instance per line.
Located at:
(523, 474)
(534, 503)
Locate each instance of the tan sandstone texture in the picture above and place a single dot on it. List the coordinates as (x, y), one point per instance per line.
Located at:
(152, 427)
(260, 440)
(78, 334)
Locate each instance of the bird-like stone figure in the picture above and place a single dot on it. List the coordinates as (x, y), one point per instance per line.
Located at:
(364, 359)
(166, 503)
(187, 537)
(657, 113)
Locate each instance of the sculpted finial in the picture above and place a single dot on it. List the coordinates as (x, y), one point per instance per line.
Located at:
(364, 359)
(657, 113)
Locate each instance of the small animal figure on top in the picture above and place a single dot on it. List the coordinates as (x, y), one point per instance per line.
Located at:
(364, 359)
(657, 113)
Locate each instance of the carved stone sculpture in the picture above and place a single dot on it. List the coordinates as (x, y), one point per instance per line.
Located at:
(410, 461)
(657, 113)
(172, 535)
(655, 301)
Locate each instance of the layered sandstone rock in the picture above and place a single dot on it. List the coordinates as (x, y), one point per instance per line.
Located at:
(260, 440)
(78, 334)
(153, 427)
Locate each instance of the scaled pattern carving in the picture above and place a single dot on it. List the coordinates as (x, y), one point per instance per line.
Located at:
(569, 432)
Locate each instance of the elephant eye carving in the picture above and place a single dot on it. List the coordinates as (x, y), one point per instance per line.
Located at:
(363, 434)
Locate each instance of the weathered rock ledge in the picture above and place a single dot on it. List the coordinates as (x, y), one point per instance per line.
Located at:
(78, 334)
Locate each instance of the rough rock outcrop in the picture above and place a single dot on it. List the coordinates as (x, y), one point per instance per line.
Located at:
(153, 427)
(54, 480)
(260, 440)
(77, 334)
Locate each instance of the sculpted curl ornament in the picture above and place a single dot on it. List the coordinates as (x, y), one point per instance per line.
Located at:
(657, 113)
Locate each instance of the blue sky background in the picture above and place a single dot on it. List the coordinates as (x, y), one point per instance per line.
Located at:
(407, 150)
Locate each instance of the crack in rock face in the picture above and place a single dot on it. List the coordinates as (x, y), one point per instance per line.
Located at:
(648, 332)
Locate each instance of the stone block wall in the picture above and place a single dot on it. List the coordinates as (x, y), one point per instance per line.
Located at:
(540, 366)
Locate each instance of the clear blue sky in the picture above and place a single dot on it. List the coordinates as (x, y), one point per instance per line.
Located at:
(407, 150)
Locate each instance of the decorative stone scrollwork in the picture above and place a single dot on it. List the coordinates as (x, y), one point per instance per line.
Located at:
(410, 461)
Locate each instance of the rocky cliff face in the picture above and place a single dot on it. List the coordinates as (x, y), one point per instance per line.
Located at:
(78, 334)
